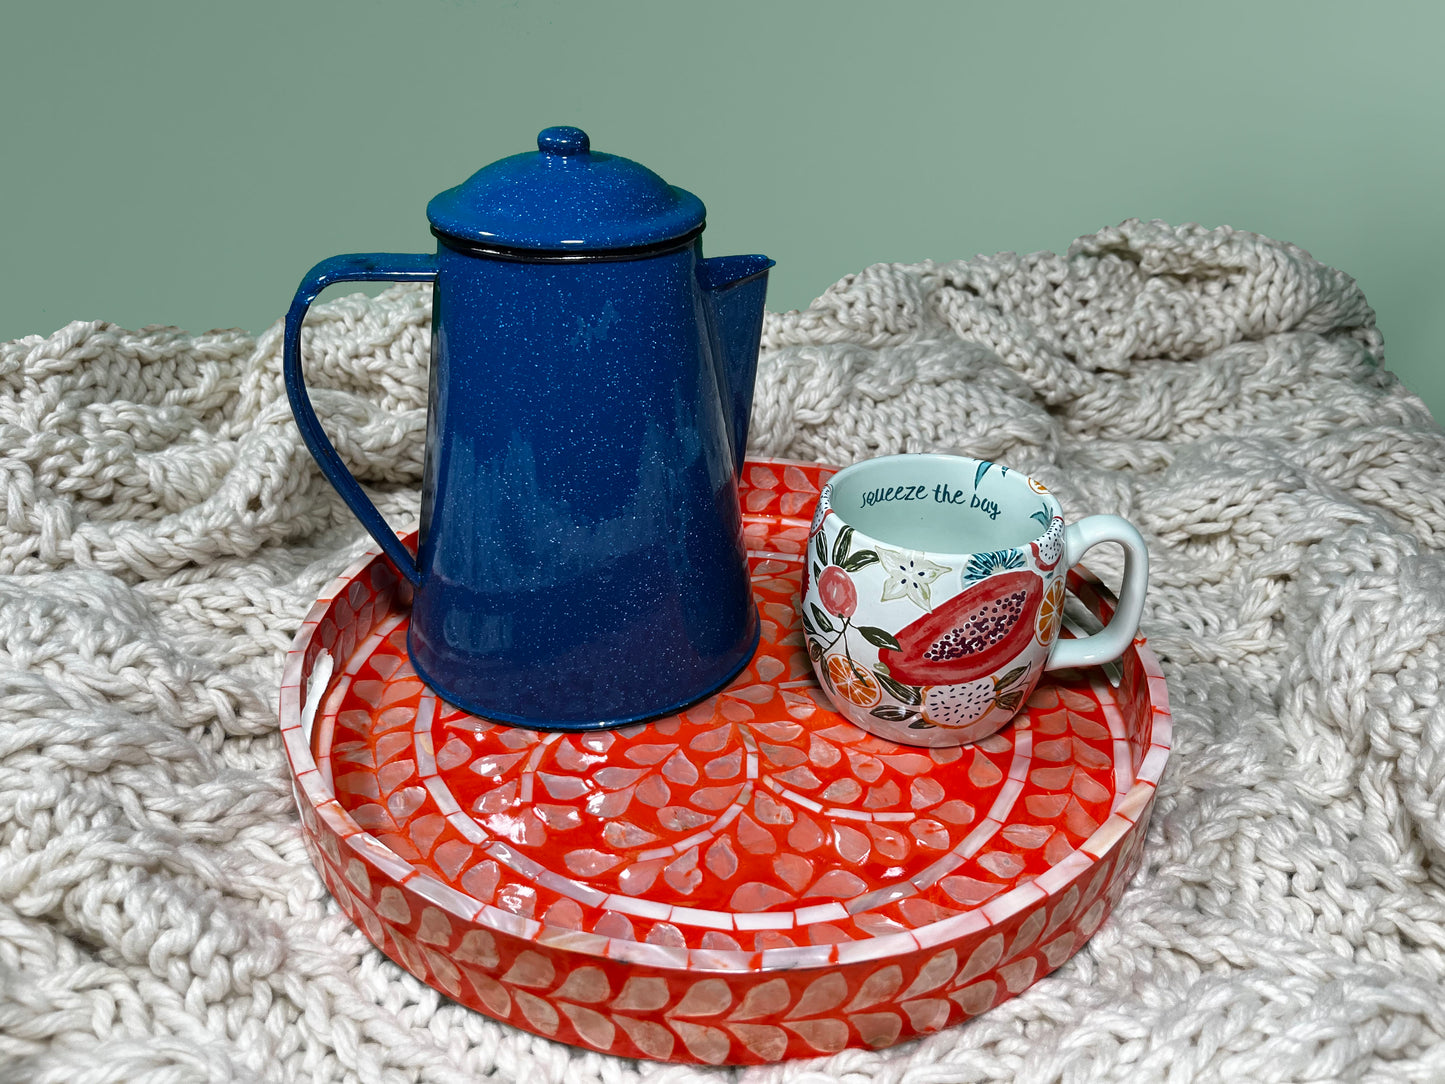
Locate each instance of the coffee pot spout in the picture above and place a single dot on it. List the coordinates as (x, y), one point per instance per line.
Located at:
(733, 291)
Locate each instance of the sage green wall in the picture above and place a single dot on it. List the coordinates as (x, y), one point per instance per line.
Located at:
(184, 162)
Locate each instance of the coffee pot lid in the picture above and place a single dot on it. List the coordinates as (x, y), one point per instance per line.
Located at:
(564, 197)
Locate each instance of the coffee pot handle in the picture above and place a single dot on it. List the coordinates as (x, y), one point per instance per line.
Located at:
(1114, 639)
(357, 267)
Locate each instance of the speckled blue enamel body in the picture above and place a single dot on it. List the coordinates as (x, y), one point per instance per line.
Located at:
(581, 562)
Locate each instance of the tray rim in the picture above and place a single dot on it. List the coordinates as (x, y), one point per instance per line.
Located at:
(296, 713)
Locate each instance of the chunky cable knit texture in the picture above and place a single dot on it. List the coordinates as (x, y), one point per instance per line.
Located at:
(164, 531)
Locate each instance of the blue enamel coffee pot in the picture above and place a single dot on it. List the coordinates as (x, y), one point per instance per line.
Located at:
(580, 561)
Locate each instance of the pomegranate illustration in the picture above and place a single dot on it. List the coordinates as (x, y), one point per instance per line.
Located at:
(836, 588)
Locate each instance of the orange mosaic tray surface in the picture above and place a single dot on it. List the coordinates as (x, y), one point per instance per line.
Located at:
(751, 880)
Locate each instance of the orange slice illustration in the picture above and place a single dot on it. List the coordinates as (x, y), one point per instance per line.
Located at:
(853, 683)
(1051, 612)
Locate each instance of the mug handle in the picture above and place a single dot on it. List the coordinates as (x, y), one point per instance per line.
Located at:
(356, 267)
(1114, 639)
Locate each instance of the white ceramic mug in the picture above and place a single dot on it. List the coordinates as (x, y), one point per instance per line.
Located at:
(933, 594)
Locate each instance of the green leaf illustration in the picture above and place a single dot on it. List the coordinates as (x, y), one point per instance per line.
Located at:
(892, 714)
(820, 618)
(807, 625)
(1010, 701)
(861, 559)
(820, 546)
(1008, 679)
(1042, 515)
(841, 544)
(919, 724)
(878, 637)
(908, 694)
(982, 470)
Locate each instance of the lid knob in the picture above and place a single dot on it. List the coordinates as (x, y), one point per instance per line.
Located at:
(565, 196)
(564, 140)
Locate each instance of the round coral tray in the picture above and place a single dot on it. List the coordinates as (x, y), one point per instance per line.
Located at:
(751, 880)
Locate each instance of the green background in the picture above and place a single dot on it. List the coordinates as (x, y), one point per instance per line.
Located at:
(185, 162)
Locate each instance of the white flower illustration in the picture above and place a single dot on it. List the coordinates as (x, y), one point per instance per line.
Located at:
(909, 575)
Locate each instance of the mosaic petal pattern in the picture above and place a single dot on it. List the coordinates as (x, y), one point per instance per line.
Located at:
(750, 880)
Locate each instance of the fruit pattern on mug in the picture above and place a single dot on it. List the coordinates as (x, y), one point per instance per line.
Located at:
(948, 669)
(751, 880)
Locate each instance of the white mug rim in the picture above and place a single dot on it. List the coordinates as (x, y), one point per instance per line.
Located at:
(1055, 508)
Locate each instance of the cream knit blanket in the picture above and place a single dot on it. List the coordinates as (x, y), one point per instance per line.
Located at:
(163, 530)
